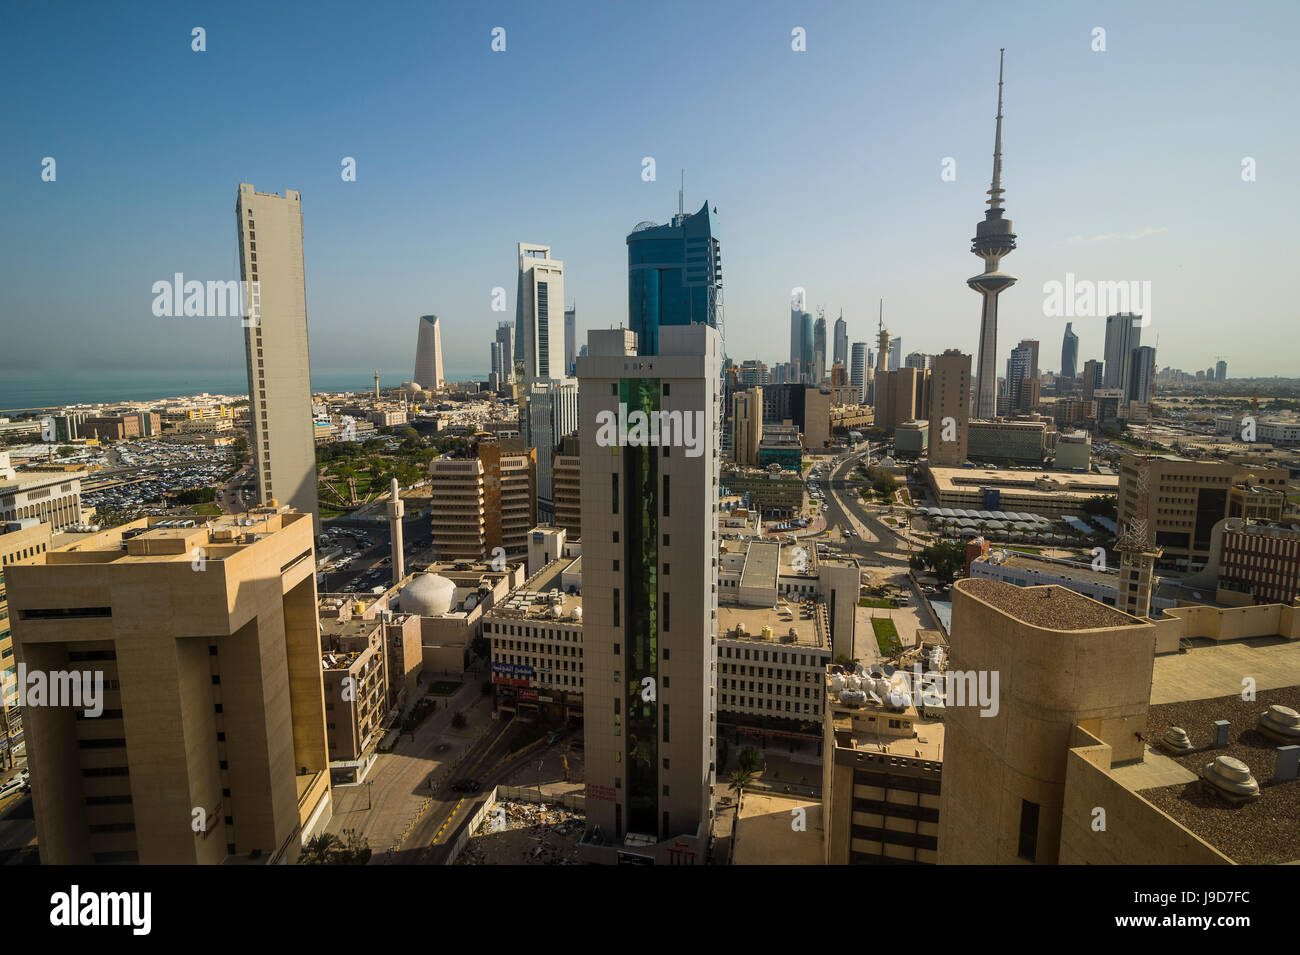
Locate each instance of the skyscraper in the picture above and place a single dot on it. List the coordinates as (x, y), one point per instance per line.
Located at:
(895, 360)
(1221, 371)
(570, 339)
(916, 359)
(746, 425)
(428, 354)
(1094, 377)
(1069, 352)
(539, 338)
(819, 349)
(650, 553)
(1142, 377)
(841, 353)
(796, 331)
(275, 341)
(551, 413)
(506, 338)
(858, 371)
(1020, 368)
(949, 411)
(993, 240)
(1123, 334)
(674, 276)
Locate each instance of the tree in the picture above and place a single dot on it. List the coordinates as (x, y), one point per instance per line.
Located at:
(942, 558)
(66, 451)
(739, 780)
(458, 720)
(749, 760)
(318, 848)
(884, 484)
(1100, 505)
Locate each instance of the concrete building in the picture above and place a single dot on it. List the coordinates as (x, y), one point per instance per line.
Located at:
(1253, 563)
(949, 404)
(998, 440)
(567, 478)
(782, 445)
(428, 354)
(570, 341)
(747, 426)
(674, 275)
(776, 491)
(840, 354)
(1123, 337)
(206, 640)
(52, 497)
(122, 427)
(354, 668)
(22, 540)
(882, 768)
(550, 413)
(1062, 660)
(901, 395)
(1046, 493)
(1027, 570)
(1182, 499)
(281, 437)
(911, 438)
(1074, 451)
(650, 553)
(484, 502)
(505, 339)
(539, 338)
(816, 420)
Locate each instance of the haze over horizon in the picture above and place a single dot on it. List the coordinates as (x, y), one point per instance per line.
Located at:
(824, 166)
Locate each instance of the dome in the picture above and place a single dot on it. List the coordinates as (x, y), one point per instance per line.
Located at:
(428, 595)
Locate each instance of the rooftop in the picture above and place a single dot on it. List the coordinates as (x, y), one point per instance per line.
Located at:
(1260, 832)
(160, 539)
(1049, 607)
(754, 619)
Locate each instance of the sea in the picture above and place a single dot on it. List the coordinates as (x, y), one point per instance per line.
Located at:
(26, 391)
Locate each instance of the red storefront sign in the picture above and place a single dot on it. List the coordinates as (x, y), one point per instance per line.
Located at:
(602, 793)
(527, 694)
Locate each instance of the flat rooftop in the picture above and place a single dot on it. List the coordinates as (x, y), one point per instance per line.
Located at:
(1262, 832)
(159, 539)
(764, 833)
(1049, 607)
(761, 562)
(807, 633)
(1044, 482)
(1079, 572)
(865, 728)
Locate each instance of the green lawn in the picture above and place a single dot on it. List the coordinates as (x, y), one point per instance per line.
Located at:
(206, 510)
(1024, 550)
(877, 602)
(886, 635)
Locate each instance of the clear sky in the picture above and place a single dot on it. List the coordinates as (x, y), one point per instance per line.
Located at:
(824, 166)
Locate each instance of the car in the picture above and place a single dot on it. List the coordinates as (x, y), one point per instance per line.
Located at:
(465, 786)
(19, 783)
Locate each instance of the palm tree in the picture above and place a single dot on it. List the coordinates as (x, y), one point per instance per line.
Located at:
(318, 849)
(740, 778)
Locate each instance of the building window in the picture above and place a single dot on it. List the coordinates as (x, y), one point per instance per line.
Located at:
(616, 623)
(614, 482)
(666, 499)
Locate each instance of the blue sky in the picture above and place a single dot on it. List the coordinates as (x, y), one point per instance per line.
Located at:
(824, 166)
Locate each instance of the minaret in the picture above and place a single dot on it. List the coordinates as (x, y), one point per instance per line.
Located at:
(376, 383)
(993, 239)
(396, 510)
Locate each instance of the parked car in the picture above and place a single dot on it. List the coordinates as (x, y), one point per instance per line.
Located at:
(465, 786)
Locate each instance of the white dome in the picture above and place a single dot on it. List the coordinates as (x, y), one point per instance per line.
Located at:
(428, 595)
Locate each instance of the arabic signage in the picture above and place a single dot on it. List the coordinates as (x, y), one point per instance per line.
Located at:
(513, 669)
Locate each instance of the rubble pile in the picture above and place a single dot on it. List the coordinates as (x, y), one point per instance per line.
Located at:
(523, 834)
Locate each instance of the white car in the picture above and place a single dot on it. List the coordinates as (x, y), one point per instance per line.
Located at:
(17, 784)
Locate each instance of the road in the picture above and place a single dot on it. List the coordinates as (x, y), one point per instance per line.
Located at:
(879, 546)
(415, 534)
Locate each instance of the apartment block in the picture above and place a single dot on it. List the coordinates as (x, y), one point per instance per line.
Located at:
(206, 640)
(949, 405)
(567, 480)
(484, 502)
(19, 541)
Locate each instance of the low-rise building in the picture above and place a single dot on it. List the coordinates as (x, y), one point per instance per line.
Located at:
(1000, 440)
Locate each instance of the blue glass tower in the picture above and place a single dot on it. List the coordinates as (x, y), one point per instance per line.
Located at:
(674, 276)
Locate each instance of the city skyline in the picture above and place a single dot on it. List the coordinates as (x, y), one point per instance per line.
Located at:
(367, 249)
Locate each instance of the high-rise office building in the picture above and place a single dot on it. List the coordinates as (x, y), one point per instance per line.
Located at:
(993, 240)
(428, 354)
(550, 413)
(207, 644)
(570, 339)
(858, 370)
(506, 339)
(1069, 352)
(1142, 376)
(1123, 335)
(1093, 377)
(20, 540)
(674, 275)
(746, 426)
(539, 338)
(1221, 371)
(650, 553)
(754, 374)
(841, 353)
(497, 362)
(949, 412)
(483, 502)
(282, 439)
(1020, 368)
(916, 359)
(819, 350)
(895, 360)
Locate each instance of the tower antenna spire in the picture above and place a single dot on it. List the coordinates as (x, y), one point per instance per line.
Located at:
(995, 191)
(681, 195)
